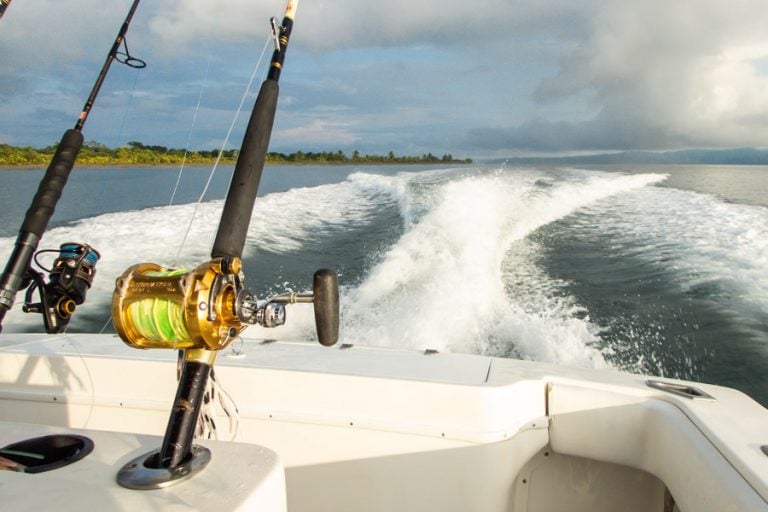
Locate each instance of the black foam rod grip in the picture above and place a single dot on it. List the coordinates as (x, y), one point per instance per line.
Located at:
(325, 286)
(52, 184)
(238, 207)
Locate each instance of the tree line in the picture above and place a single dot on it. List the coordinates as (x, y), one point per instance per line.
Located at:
(136, 153)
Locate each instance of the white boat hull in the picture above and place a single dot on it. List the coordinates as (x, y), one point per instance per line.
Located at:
(373, 429)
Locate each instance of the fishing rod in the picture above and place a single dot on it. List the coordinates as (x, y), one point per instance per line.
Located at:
(3, 6)
(74, 269)
(200, 312)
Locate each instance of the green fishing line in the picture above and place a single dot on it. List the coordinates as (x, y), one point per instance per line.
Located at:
(159, 319)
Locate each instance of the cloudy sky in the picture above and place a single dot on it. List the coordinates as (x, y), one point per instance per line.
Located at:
(482, 78)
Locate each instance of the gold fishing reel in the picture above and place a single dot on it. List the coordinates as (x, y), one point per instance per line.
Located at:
(157, 307)
(206, 308)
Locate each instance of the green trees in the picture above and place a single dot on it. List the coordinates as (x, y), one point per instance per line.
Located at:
(137, 153)
(10, 155)
(339, 157)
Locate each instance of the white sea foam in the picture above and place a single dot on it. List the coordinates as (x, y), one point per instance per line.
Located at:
(707, 243)
(442, 284)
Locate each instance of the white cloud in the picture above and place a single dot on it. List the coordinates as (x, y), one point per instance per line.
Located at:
(52, 33)
(317, 132)
(733, 95)
(353, 23)
(663, 75)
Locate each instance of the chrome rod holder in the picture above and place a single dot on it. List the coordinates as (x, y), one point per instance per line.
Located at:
(142, 473)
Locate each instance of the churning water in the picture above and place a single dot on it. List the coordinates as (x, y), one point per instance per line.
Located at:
(657, 270)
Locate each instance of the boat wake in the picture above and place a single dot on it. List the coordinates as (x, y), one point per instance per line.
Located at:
(464, 277)
(445, 259)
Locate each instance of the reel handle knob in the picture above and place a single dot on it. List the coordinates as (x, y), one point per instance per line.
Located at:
(325, 286)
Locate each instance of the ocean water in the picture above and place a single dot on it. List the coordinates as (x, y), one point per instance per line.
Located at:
(659, 270)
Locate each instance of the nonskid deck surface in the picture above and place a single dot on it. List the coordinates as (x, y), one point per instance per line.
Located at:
(359, 415)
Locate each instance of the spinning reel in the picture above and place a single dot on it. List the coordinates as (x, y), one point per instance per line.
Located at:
(69, 279)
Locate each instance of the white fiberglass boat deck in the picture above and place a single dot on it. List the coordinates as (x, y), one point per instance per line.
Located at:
(374, 429)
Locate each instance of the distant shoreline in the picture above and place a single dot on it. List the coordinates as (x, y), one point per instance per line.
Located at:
(138, 154)
(42, 167)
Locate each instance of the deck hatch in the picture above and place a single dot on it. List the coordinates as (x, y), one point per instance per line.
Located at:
(46, 453)
(684, 390)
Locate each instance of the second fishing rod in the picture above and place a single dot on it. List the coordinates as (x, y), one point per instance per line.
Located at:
(74, 269)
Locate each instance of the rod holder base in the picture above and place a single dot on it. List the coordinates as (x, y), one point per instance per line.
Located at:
(142, 474)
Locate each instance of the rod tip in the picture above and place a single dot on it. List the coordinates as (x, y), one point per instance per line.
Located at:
(290, 10)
